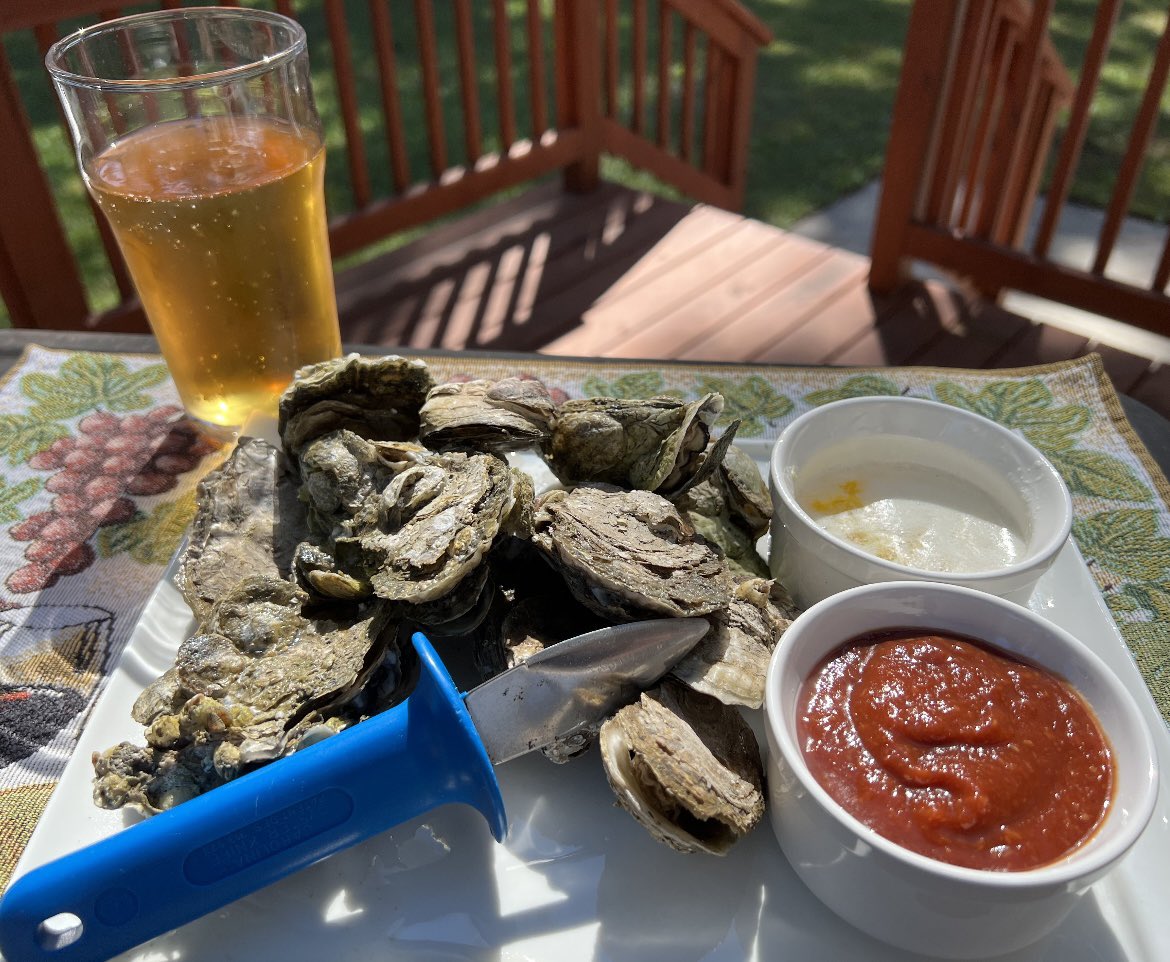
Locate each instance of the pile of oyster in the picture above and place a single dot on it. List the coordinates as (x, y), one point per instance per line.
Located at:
(392, 505)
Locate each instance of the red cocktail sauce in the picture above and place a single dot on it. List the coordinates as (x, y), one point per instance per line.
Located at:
(956, 750)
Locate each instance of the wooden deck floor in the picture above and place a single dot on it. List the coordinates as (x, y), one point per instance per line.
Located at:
(622, 274)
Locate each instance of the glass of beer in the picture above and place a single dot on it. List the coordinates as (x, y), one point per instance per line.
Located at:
(197, 135)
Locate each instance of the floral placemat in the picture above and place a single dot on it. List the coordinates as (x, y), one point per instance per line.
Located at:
(98, 469)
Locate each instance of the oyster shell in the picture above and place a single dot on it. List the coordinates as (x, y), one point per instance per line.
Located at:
(736, 546)
(748, 498)
(431, 525)
(260, 670)
(340, 470)
(376, 397)
(629, 554)
(731, 661)
(248, 521)
(481, 415)
(657, 444)
(687, 767)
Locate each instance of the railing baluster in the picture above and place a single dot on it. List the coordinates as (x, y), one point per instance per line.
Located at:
(710, 114)
(536, 89)
(359, 175)
(1162, 274)
(686, 132)
(638, 117)
(1001, 202)
(1036, 137)
(1131, 165)
(1001, 57)
(391, 105)
(1078, 124)
(468, 82)
(46, 35)
(665, 57)
(611, 59)
(429, 62)
(954, 149)
(503, 44)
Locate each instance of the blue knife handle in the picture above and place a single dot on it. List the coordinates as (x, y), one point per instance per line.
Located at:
(199, 856)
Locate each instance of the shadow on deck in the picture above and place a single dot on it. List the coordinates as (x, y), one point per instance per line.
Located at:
(616, 273)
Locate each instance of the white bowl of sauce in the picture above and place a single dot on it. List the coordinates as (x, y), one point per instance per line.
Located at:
(918, 789)
(885, 489)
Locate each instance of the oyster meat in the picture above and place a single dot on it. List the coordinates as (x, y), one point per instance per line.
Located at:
(628, 555)
(659, 444)
(248, 521)
(687, 767)
(481, 415)
(376, 397)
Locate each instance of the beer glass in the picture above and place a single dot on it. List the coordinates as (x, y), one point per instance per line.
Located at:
(197, 135)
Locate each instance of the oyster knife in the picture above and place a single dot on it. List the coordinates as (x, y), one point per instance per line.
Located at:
(435, 747)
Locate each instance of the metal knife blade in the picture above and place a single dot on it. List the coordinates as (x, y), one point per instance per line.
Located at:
(576, 683)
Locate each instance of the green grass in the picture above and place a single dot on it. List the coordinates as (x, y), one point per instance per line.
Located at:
(825, 89)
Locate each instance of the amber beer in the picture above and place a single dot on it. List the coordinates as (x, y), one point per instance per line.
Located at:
(222, 224)
(197, 134)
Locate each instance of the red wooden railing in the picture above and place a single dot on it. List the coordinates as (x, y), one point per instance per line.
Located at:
(973, 132)
(42, 285)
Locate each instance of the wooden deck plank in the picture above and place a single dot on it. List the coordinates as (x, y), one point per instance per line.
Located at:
(631, 307)
(1124, 369)
(1154, 389)
(562, 251)
(689, 325)
(750, 335)
(970, 338)
(850, 312)
(1039, 344)
(621, 273)
(902, 332)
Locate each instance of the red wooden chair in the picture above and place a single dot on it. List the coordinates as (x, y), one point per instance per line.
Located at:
(982, 91)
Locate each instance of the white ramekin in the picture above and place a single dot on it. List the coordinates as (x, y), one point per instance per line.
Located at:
(813, 564)
(906, 899)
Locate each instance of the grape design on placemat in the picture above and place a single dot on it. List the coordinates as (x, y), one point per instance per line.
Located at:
(110, 459)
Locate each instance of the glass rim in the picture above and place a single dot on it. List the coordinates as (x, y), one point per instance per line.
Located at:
(55, 55)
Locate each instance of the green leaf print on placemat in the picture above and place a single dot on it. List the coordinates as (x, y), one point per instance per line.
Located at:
(88, 382)
(22, 436)
(864, 385)
(12, 494)
(1126, 542)
(638, 384)
(752, 401)
(150, 539)
(1029, 407)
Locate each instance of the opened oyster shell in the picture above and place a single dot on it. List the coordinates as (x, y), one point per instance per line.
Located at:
(248, 521)
(687, 767)
(376, 397)
(659, 444)
(629, 554)
(481, 415)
